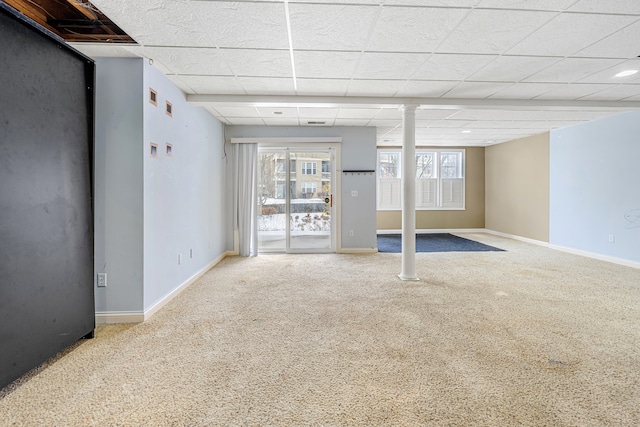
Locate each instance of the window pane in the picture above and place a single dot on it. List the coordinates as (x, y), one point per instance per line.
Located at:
(450, 165)
(389, 165)
(424, 166)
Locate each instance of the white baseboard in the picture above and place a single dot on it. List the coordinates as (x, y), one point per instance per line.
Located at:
(110, 317)
(357, 250)
(437, 230)
(514, 237)
(600, 257)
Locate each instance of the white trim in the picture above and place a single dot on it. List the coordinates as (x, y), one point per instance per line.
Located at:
(436, 230)
(600, 257)
(110, 317)
(357, 251)
(288, 140)
(514, 237)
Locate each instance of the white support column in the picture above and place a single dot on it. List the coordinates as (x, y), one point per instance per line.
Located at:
(408, 193)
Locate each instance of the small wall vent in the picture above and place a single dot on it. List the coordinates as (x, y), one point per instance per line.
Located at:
(169, 109)
(153, 150)
(153, 97)
(315, 123)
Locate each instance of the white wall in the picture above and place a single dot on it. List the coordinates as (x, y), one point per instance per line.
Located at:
(118, 200)
(358, 152)
(594, 183)
(149, 210)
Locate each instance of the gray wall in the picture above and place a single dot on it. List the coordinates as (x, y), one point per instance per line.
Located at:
(595, 187)
(358, 152)
(118, 183)
(149, 210)
(46, 236)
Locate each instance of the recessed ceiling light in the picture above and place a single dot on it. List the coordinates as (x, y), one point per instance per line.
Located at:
(466, 131)
(626, 73)
(277, 112)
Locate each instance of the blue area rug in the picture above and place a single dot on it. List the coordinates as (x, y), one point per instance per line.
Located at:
(437, 242)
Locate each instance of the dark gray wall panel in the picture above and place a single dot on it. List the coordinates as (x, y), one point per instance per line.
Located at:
(46, 236)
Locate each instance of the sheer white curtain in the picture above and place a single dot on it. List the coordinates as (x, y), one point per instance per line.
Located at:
(245, 203)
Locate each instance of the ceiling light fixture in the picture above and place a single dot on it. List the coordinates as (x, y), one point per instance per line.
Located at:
(466, 131)
(293, 65)
(277, 112)
(626, 73)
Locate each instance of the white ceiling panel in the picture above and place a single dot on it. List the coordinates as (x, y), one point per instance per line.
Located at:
(425, 88)
(568, 33)
(281, 121)
(410, 29)
(616, 45)
(357, 113)
(201, 61)
(267, 85)
(330, 27)
(109, 50)
(388, 65)
(325, 64)
(550, 5)
(241, 24)
(374, 87)
(323, 87)
(614, 93)
(317, 112)
(231, 112)
(351, 122)
(571, 70)
(512, 68)
(609, 75)
(451, 67)
(475, 89)
(524, 90)
(573, 91)
(493, 31)
(431, 114)
(429, 3)
(263, 63)
(600, 6)
(178, 81)
(278, 112)
(240, 121)
(213, 84)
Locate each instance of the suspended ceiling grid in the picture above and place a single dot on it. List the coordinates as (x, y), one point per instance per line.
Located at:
(536, 51)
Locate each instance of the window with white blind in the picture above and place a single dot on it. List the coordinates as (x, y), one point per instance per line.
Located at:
(439, 179)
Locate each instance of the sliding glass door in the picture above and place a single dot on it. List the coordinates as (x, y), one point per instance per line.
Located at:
(295, 200)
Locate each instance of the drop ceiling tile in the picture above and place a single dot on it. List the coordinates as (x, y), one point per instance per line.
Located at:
(475, 90)
(258, 63)
(571, 70)
(411, 29)
(388, 65)
(451, 67)
(330, 27)
(426, 88)
(599, 6)
(357, 113)
(524, 90)
(317, 112)
(433, 114)
(165, 23)
(234, 112)
(351, 122)
(615, 93)
(573, 91)
(609, 75)
(551, 5)
(325, 64)
(512, 68)
(374, 87)
(177, 80)
(452, 123)
(213, 84)
(283, 112)
(242, 24)
(429, 3)
(389, 113)
(181, 60)
(322, 87)
(477, 33)
(570, 32)
(384, 123)
(621, 44)
(281, 121)
(267, 85)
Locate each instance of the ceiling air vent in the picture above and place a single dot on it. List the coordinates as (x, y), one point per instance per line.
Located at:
(311, 122)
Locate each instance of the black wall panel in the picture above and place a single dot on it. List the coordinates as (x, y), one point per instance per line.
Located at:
(46, 234)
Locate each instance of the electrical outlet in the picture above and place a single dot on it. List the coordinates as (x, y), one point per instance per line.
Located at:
(354, 193)
(612, 238)
(350, 233)
(102, 280)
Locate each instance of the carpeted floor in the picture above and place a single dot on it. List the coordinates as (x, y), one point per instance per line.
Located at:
(526, 337)
(432, 242)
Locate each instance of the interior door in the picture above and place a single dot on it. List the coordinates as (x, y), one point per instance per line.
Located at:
(295, 212)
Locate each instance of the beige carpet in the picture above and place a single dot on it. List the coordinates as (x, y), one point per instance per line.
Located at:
(530, 337)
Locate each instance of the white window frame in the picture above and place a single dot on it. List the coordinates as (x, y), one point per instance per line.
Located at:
(306, 186)
(434, 193)
(306, 166)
